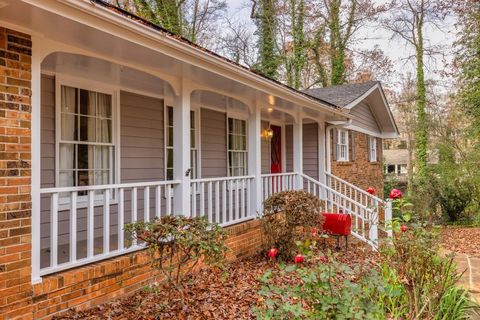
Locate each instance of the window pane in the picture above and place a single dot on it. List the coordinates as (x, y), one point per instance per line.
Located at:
(69, 99)
(192, 119)
(85, 156)
(170, 137)
(104, 105)
(69, 127)
(102, 177)
(87, 102)
(102, 158)
(87, 129)
(170, 116)
(230, 125)
(169, 158)
(104, 130)
(67, 156)
(169, 174)
(85, 178)
(192, 138)
(67, 179)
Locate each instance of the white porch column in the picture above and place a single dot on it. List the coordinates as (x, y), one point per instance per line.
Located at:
(298, 150)
(181, 151)
(37, 57)
(254, 159)
(321, 152)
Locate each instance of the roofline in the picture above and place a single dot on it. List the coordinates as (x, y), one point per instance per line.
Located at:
(376, 86)
(147, 30)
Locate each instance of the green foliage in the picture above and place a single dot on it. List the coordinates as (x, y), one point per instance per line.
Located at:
(412, 261)
(457, 305)
(321, 292)
(178, 244)
(288, 217)
(468, 58)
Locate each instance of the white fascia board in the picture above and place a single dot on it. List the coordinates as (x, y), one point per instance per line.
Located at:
(123, 27)
(363, 96)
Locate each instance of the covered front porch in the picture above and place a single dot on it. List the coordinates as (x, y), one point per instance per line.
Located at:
(129, 124)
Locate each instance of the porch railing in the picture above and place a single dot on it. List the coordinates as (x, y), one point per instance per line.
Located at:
(277, 182)
(225, 201)
(81, 225)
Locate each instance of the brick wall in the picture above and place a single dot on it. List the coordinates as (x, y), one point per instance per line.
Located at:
(93, 284)
(361, 172)
(15, 155)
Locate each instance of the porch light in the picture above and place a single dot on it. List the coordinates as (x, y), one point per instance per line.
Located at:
(267, 134)
(270, 109)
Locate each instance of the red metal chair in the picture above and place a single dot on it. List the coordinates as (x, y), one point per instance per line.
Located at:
(338, 225)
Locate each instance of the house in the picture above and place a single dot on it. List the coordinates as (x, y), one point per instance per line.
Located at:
(107, 119)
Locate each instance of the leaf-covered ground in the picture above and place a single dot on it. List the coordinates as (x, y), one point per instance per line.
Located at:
(214, 294)
(461, 240)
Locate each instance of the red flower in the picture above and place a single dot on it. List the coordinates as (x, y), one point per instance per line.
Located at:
(314, 231)
(395, 194)
(298, 258)
(371, 190)
(404, 228)
(145, 235)
(272, 254)
(323, 259)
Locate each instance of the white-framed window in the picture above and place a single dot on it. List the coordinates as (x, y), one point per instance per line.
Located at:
(342, 145)
(169, 143)
(237, 147)
(86, 130)
(373, 149)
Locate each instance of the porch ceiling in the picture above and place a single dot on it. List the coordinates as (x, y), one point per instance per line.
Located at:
(60, 26)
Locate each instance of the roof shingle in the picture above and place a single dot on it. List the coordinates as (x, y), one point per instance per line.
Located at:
(342, 95)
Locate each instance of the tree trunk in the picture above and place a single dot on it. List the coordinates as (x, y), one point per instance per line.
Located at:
(421, 128)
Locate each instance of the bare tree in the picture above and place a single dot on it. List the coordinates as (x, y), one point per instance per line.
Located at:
(407, 21)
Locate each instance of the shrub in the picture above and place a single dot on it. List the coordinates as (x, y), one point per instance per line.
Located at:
(178, 244)
(321, 292)
(412, 260)
(289, 216)
(457, 305)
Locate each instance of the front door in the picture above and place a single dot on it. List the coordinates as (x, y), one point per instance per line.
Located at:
(276, 150)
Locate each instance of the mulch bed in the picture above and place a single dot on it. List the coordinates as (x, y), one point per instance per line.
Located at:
(215, 294)
(461, 240)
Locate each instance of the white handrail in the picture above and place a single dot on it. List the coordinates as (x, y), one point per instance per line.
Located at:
(354, 187)
(109, 186)
(221, 179)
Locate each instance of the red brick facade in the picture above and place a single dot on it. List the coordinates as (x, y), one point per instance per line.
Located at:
(361, 172)
(15, 174)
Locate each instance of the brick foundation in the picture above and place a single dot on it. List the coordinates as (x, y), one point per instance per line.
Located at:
(15, 175)
(361, 172)
(96, 283)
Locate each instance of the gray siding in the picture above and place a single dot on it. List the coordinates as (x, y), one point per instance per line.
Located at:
(141, 137)
(363, 117)
(310, 150)
(213, 143)
(47, 125)
(265, 150)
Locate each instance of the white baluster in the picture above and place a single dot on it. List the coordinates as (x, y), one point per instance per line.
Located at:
(106, 222)
(91, 224)
(202, 199)
(209, 204)
(230, 201)
(168, 189)
(73, 226)
(134, 210)
(158, 201)
(194, 199)
(237, 200)
(244, 200)
(248, 198)
(121, 213)
(224, 201)
(54, 231)
(217, 202)
(146, 204)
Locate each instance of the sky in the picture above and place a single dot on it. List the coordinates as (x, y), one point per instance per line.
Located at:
(396, 49)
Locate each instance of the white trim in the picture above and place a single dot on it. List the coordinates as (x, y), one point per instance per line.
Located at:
(366, 131)
(363, 96)
(372, 149)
